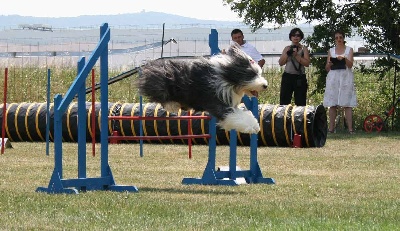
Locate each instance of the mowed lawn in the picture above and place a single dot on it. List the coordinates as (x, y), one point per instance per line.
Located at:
(352, 183)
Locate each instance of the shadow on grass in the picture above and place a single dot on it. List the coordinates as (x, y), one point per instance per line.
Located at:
(343, 135)
(191, 191)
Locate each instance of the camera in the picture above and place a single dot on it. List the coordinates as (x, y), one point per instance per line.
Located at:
(290, 51)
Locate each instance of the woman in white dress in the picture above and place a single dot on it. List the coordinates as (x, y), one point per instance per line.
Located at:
(340, 90)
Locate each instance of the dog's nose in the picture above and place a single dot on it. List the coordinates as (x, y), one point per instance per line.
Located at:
(265, 86)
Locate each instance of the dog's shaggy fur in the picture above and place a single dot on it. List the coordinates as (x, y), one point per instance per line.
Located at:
(215, 85)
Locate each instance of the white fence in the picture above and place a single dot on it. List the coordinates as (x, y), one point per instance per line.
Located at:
(129, 47)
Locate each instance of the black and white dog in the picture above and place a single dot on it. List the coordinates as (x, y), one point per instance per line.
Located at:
(216, 85)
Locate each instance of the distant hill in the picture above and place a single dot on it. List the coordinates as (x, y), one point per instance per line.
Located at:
(142, 19)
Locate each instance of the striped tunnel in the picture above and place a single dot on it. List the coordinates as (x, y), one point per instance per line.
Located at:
(278, 123)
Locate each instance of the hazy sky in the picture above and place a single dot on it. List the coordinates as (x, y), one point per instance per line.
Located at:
(200, 9)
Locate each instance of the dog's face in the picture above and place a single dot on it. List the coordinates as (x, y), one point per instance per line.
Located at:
(245, 73)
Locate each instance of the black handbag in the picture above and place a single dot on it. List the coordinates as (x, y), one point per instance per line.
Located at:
(338, 64)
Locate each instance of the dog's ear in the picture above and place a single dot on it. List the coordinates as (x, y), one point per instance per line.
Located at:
(234, 49)
(235, 44)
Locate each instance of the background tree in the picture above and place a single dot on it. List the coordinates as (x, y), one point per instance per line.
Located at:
(376, 21)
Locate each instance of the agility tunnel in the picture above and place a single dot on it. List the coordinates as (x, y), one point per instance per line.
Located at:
(278, 123)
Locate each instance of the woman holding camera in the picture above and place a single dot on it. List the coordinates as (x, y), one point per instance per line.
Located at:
(296, 57)
(340, 90)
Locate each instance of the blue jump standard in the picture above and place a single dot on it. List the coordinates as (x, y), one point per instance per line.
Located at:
(106, 181)
(74, 186)
(213, 177)
(210, 175)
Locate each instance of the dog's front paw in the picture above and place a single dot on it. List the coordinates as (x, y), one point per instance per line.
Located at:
(241, 121)
(255, 129)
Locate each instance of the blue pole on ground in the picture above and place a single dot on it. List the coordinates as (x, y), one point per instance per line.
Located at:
(48, 113)
(81, 124)
(104, 103)
(232, 154)
(58, 135)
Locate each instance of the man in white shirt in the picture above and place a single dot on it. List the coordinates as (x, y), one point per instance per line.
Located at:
(250, 50)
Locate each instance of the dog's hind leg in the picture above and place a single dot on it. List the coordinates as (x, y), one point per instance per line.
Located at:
(241, 120)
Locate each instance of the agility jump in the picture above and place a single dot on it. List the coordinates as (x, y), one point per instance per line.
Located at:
(106, 182)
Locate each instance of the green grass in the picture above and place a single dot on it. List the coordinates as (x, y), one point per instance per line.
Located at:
(352, 183)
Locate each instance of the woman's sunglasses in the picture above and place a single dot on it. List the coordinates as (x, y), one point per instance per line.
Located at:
(296, 35)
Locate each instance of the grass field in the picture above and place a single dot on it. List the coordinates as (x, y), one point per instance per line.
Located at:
(352, 183)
